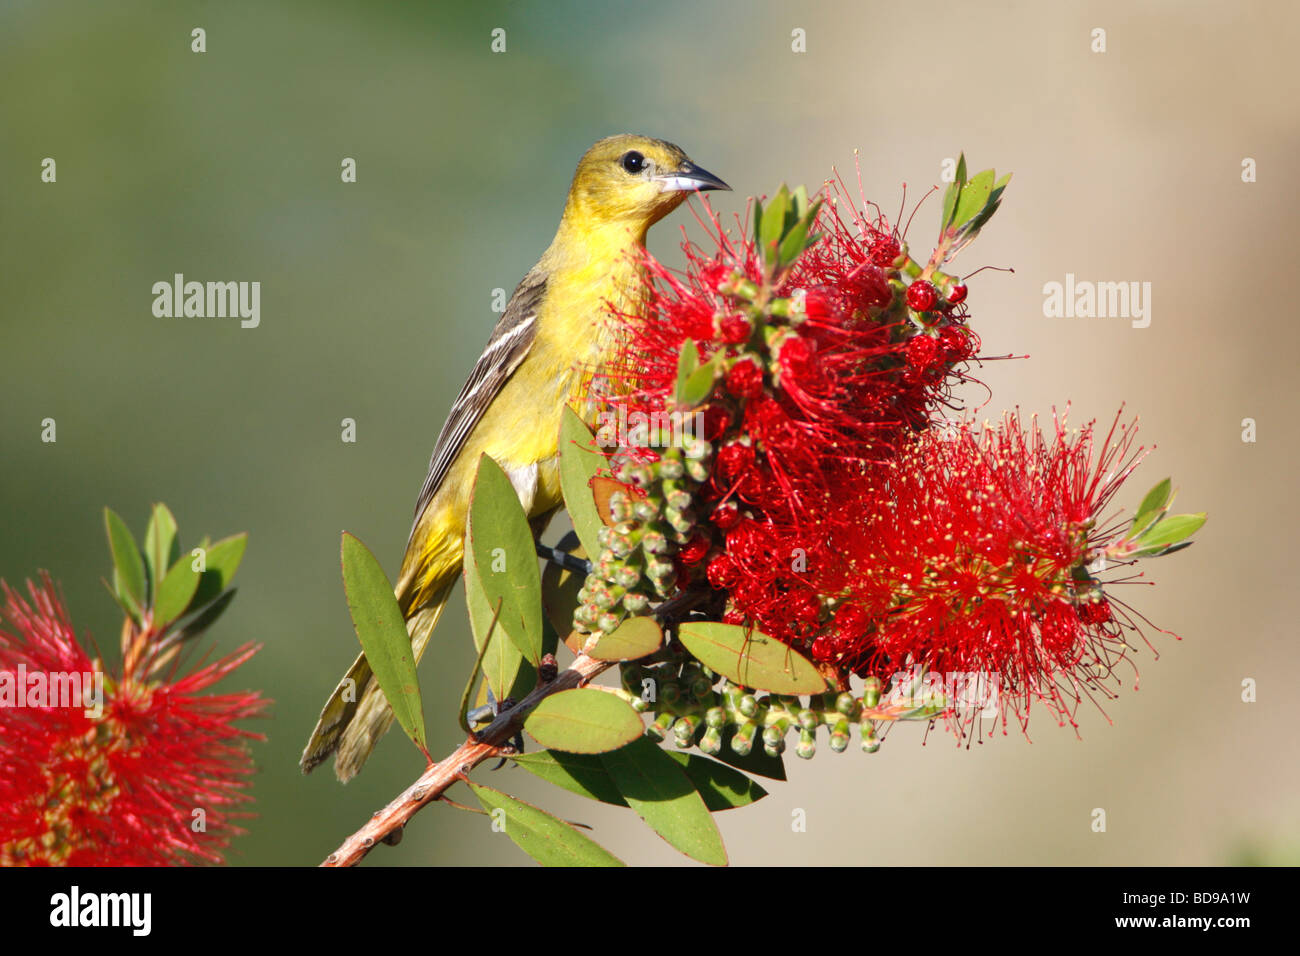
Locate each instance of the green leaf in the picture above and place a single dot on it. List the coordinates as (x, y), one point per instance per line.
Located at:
(203, 620)
(796, 240)
(688, 361)
(560, 588)
(580, 461)
(161, 549)
(1153, 504)
(128, 565)
(698, 384)
(751, 658)
(973, 197)
(502, 544)
(658, 790)
(722, 787)
(502, 659)
(1170, 531)
(635, 638)
(174, 594)
(952, 193)
(584, 721)
(382, 631)
(583, 774)
(774, 222)
(547, 839)
(220, 561)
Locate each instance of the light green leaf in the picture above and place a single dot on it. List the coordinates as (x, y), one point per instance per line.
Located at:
(774, 222)
(751, 658)
(635, 638)
(1170, 531)
(585, 721)
(688, 361)
(221, 561)
(161, 549)
(503, 548)
(580, 461)
(699, 383)
(662, 795)
(502, 658)
(973, 197)
(382, 631)
(547, 839)
(128, 565)
(1153, 505)
(175, 592)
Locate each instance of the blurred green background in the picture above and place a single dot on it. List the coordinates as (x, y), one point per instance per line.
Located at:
(376, 301)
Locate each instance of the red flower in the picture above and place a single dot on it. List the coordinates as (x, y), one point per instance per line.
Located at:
(153, 779)
(972, 551)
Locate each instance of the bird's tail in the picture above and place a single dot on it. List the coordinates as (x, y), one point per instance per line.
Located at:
(357, 713)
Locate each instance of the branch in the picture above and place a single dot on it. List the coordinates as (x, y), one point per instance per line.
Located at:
(386, 825)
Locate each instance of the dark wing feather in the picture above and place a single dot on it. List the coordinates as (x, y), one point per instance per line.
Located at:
(505, 352)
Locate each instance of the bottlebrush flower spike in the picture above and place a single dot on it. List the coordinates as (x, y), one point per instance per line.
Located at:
(977, 551)
(140, 768)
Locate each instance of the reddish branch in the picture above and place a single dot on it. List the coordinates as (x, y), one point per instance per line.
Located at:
(387, 824)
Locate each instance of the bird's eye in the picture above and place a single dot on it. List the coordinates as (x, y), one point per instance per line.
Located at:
(633, 162)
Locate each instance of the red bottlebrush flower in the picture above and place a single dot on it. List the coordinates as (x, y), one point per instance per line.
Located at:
(735, 329)
(923, 351)
(745, 379)
(154, 778)
(957, 295)
(884, 251)
(922, 296)
(971, 551)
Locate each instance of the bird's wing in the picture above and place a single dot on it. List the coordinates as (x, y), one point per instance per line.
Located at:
(505, 352)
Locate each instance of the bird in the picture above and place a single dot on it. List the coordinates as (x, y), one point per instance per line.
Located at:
(540, 357)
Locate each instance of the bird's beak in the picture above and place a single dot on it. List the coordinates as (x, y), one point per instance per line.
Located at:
(689, 177)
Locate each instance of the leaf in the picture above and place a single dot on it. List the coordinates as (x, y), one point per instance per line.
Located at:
(699, 384)
(796, 240)
(661, 794)
(382, 631)
(1170, 531)
(161, 550)
(751, 658)
(583, 774)
(203, 620)
(688, 361)
(502, 544)
(1153, 504)
(584, 721)
(774, 222)
(579, 463)
(560, 587)
(952, 192)
(721, 787)
(602, 489)
(502, 658)
(547, 839)
(485, 645)
(973, 197)
(221, 561)
(173, 595)
(128, 565)
(635, 638)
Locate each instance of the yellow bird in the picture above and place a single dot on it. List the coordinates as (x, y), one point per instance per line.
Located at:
(539, 359)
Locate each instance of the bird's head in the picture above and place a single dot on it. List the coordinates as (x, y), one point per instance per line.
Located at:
(634, 181)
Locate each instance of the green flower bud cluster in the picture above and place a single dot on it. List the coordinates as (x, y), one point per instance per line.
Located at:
(651, 519)
(692, 706)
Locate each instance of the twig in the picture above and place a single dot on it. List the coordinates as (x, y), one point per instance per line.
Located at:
(494, 741)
